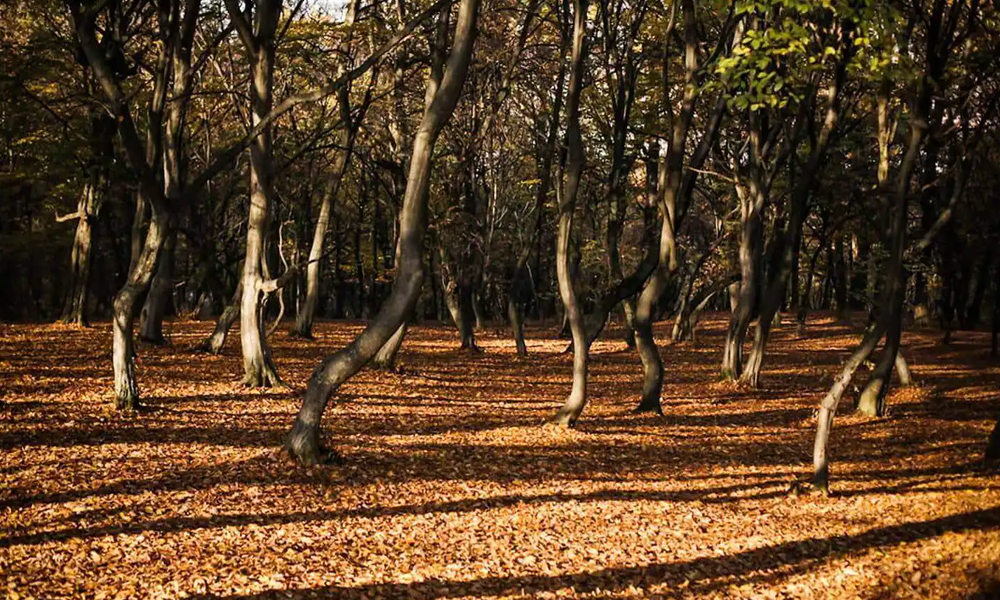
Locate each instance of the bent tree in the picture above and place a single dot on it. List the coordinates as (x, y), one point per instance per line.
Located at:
(95, 50)
(303, 442)
(570, 412)
(945, 28)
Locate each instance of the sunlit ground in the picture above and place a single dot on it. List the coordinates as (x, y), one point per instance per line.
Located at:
(451, 488)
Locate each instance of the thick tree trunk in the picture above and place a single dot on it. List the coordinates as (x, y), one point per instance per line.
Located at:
(259, 369)
(571, 410)
(785, 264)
(751, 251)
(303, 442)
(673, 194)
(123, 349)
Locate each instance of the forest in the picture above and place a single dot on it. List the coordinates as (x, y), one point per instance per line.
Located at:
(494, 298)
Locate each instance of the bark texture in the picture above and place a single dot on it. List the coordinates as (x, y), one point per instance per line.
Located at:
(303, 442)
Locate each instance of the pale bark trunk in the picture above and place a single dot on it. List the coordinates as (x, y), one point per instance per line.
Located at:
(385, 358)
(787, 263)
(892, 293)
(307, 311)
(160, 291)
(258, 367)
(76, 305)
(571, 410)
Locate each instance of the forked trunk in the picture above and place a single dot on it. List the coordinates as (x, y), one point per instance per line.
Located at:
(385, 358)
(75, 308)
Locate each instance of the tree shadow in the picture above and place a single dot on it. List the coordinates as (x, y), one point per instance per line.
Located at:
(700, 575)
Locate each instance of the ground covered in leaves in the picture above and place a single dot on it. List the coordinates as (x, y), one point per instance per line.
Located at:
(451, 488)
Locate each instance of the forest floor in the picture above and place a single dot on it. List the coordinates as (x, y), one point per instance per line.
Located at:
(450, 487)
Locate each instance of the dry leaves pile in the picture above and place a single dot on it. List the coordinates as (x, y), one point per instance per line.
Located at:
(451, 489)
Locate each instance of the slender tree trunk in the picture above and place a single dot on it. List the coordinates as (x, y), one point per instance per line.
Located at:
(307, 313)
(75, 307)
(160, 292)
(828, 407)
(571, 410)
(893, 292)
(303, 442)
(214, 343)
(672, 198)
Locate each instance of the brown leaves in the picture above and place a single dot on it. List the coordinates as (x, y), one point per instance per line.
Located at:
(450, 486)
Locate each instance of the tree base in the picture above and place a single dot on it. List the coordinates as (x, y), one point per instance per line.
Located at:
(808, 488)
(303, 447)
(562, 418)
(869, 403)
(648, 406)
(128, 404)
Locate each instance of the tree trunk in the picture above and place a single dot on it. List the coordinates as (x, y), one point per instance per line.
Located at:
(303, 442)
(75, 307)
(571, 410)
(892, 296)
(993, 446)
(751, 251)
(785, 263)
(160, 293)
(385, 358)
(673, 194)
(258, 367)
(828, 407)
(307, 312)
(213, 344)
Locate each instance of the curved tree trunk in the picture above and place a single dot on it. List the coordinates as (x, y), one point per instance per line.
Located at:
(385, 358)
(141, 272)
(213, 344)
(303, 442)
(345, 148)
(571, 410)
(828, 407)
(673, 195)
(893, 291)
